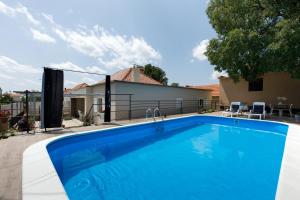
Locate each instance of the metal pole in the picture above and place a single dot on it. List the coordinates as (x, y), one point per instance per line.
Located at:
(27, 110)
(129, 113)
(12, 109)
(181, 109)
(107, 113)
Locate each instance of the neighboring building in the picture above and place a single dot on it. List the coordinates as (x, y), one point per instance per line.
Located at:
(132, 90)
(17, 97)
(213, 88)
(74, 100)
(267, 88)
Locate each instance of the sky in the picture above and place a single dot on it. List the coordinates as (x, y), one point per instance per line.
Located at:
(103, 37)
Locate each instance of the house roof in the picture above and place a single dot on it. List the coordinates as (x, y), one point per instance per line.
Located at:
(15, 94)
(214, 88)
(126, 75)
(80, 86)
(76, 87)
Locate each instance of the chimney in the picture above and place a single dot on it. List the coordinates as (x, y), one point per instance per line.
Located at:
(135, 73)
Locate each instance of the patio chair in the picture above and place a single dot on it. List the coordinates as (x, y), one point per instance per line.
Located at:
(233, 110)
(258, 109)
(281, 110)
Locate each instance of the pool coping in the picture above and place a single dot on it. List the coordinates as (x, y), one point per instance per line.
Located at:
(40, 180)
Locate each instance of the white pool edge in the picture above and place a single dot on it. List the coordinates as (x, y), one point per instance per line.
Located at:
(289, 178)
(41, 182)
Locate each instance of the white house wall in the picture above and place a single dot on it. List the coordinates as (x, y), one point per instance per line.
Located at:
(144, 92)
(100, 90)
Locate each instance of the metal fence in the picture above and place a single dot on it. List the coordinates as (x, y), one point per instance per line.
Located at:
(21, 115)
(121, 109)
(132, 109)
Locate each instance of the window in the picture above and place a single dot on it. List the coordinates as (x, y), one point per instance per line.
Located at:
(256, 85)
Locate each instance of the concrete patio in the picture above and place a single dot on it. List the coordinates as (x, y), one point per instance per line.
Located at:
(12, 148)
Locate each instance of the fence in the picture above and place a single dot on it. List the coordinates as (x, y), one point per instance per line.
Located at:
(14, 108)
(121, 109)
(21, 114)
(132, 109)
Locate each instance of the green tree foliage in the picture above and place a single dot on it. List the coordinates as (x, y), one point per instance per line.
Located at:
(156, 73)
(255, 37)
(6, 98)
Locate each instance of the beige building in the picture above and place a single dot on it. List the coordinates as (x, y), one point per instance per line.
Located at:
(266, 89)
(132, 94)
(214, 91)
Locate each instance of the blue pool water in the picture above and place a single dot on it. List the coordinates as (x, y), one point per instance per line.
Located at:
(190, 158)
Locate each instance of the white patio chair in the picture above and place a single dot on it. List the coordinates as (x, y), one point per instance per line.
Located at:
(233, 110)
(258, 109)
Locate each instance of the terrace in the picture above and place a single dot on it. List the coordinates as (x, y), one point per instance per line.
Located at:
(11, 151)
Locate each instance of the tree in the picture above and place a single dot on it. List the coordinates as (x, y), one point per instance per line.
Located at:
(6, 98)
(255, 37)
(156, 73)
(174, 84)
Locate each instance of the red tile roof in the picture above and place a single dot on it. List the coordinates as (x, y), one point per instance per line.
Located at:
(76, 87)
(127, 75)
(215, 88)
(80, 86)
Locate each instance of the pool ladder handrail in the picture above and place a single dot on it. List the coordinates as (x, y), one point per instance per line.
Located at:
(157, 110)
(149, 110)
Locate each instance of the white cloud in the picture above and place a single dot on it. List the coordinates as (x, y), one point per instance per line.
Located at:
(49, 18)
(5, 76)
(66, 65)
(88, 80)
(17, 76)
(8, 65)
(32, 82)
(7, 10)
(23, 10)
(18, 10)
(215, 75)
(71, 66)
(69, 83)
(73, 79)
(110, 50)
(95, 69)
(42, 37)
(199, 50)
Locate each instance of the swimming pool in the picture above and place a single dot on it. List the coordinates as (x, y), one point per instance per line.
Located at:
(197, 157)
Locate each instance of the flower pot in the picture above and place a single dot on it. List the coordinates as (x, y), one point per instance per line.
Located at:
(4, 124)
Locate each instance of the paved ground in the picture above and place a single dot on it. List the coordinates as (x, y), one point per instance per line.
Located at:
(11, 151)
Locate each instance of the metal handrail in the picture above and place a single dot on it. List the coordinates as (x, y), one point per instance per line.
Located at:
(149, 110)
(156, 110)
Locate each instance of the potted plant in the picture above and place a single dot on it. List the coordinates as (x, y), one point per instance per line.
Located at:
(297, 117)
(4, 116)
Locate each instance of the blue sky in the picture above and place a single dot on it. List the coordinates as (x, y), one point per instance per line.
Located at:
(103, 36)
